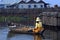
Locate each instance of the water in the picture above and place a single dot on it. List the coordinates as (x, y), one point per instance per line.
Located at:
(6, 35)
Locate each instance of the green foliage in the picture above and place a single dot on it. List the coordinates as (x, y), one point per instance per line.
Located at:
(13, 18)
(2, 19)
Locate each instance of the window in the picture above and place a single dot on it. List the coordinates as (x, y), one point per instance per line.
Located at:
(35, 6)
(22, 6)
(29, 6)
(41, 6)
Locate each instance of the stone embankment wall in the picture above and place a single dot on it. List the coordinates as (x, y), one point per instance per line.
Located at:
(49, 16)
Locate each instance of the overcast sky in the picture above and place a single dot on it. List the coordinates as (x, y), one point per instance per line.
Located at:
(51, 2)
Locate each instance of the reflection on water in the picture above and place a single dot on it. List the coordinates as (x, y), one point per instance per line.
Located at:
(37, 37)
(34, 36)
(10, 35)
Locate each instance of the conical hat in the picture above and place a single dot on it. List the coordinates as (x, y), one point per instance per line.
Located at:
(38, 19)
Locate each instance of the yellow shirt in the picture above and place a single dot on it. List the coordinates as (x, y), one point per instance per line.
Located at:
(38, 27)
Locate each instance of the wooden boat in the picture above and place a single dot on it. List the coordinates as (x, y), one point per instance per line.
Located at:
(38, 28)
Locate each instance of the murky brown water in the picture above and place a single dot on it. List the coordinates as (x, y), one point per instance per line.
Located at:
(48, 35)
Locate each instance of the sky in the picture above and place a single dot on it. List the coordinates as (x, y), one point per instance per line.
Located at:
(51, 2)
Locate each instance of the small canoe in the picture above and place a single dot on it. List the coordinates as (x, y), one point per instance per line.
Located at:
(25, 30)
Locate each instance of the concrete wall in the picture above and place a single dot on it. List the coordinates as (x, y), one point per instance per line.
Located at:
(50, 18)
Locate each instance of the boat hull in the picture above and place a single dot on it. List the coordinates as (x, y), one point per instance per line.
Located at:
(25, 31)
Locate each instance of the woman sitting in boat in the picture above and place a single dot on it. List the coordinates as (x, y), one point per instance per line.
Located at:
(38, 26)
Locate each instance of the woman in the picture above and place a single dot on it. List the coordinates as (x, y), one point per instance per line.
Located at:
(38, 28)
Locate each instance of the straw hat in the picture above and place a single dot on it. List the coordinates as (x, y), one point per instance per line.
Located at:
(38, 19)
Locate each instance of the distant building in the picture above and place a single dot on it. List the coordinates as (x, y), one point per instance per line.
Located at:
(2, 6)
(5, 3)
(29, 5)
